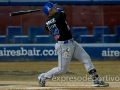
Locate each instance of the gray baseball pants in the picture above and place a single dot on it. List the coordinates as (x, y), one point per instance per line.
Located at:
(66, 50)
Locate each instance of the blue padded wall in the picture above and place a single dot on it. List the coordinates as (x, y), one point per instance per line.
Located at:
(27, 2)
(105, 2)
(61, 2)
(71, 2)
(4, 2)
(42, 2)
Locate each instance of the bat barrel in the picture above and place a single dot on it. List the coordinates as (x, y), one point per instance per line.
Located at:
(23, 12)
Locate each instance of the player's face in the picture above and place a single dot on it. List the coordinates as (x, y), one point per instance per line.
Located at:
(52, 12)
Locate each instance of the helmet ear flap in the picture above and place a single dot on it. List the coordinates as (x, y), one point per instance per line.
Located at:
(59, 9)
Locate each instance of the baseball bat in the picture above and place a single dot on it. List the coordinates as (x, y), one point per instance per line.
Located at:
(23, 12)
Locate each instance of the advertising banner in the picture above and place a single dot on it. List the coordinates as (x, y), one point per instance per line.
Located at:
(46, 52)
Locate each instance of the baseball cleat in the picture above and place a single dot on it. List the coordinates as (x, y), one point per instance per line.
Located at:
(42, 83)
(99, 84)
(42, 79)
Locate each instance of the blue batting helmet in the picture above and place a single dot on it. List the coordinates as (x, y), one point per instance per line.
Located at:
(47, 7)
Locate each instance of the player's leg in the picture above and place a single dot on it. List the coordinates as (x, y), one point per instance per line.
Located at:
(83, 57)
(64, 52)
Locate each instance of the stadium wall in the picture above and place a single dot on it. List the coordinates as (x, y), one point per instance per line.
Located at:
(88, 16)
(46, 52)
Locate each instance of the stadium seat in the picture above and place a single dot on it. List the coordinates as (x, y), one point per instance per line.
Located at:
(11, 31)
(109, 39)
(52, 39)
(3, 39)
(32, 31)
(87, 39)
(43, 39)
(25, 40)
(117, 31)
(77, 31)
(16, 39)
(98, 31)
(20, 39)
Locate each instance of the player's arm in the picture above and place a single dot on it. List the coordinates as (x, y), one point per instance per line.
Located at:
(47, 29)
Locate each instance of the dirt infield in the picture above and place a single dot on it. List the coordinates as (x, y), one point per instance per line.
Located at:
(19, 85)
(23, 76)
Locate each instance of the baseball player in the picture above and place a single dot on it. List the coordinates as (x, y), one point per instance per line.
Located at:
(65, 46)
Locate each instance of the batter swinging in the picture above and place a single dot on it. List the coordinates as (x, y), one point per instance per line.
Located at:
(65, 46)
